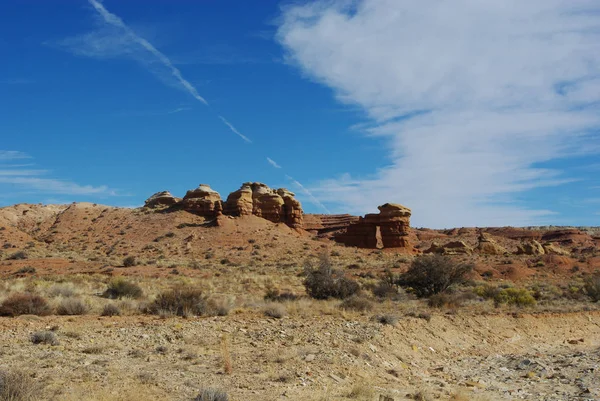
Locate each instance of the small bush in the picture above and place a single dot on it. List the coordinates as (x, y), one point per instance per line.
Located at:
(446, 300)
(110, 310)
(61, 290)
(24, 304)
(210, 394)
(387, 319)
(592, 287)
(324, 282)
(275, 310)
(121, 288)
(19, 255)
(357, 303)
(129, 261)
(514, 296)
(72, 307)
(273, 293)
(44, 337)
(27, 269)
(18, 386)
(432, 274)
(180, 301)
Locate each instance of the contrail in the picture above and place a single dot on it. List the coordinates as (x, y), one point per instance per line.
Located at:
(235, 131)
(118, 22)
(308, 193)
(273, 163)
(114, 20)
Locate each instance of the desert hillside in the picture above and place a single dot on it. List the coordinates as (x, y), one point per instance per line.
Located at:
(108, 321)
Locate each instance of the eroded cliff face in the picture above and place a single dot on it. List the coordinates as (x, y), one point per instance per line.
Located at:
(390, 228)
(253, 198)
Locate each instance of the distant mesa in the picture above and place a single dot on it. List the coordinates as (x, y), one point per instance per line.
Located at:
(253, 198)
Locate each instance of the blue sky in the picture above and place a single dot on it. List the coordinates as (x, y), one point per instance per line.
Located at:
(474, 114)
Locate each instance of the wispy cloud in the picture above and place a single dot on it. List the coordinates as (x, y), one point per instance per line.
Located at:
(129, 36)
(273, 163)
(234, 130)
(35, 180)
(308, 193)
(13, 155)
(114, 38)
(179, 110)
(469, 97)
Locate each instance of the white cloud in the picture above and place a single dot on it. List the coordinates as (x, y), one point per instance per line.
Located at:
(14, 176)
(470, 97)
(273, 163)
(13, 155)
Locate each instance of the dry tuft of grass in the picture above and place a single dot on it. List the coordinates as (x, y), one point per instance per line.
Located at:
(211, 394)
(72, 307)
(275, 310)
(226, 355)
(361, 391)
(18, 386)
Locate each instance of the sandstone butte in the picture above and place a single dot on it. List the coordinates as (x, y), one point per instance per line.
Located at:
(253, 198)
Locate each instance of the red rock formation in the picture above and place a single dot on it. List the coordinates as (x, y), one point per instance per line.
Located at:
(328, 224)
(240, 202)
(203, 201)
(278, 206)
(292, 209)
(161, 199)
(392, 222)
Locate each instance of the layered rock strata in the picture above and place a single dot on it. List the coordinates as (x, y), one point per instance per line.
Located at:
(391, 226)
(253, 198)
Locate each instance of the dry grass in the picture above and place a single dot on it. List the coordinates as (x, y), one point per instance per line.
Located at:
(226, 355)
(18, 385)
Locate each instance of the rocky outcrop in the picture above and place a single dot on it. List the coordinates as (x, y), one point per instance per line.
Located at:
(161, 199)
(327, 224)
(489, 246)
(292, 209)
(552, 249)
(532, 248)
(203, 201)
(240, 202)
(276, 205)
(450, 248)
(391, 226)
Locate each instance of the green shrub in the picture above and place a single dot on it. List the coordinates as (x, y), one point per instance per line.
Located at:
(323, 282)
(120, 288)
(24, 304)
(592, 287)
(432, 274)
(514, 296)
